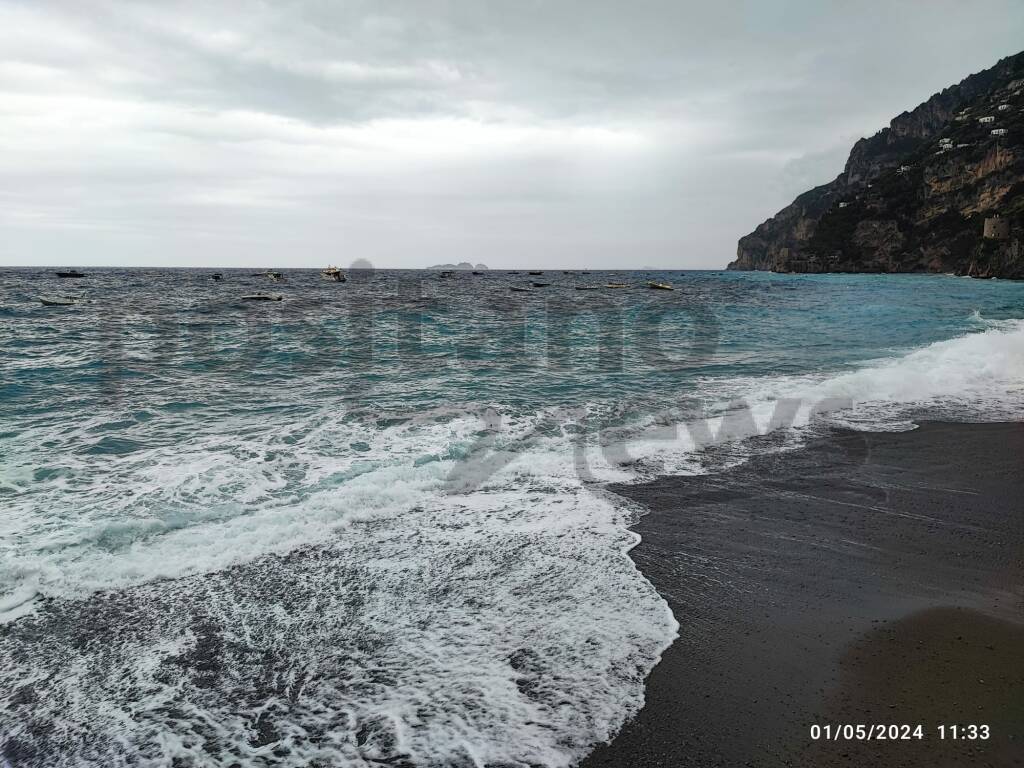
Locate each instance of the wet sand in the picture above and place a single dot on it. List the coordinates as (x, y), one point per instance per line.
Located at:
(866, 578)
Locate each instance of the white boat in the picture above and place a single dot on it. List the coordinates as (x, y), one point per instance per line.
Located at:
(333, 273)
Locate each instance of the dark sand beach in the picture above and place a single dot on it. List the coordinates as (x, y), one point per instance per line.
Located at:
(863, 579)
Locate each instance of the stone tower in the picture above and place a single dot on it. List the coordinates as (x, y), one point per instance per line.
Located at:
(996, 228)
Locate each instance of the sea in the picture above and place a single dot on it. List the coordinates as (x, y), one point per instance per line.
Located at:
(374, 523)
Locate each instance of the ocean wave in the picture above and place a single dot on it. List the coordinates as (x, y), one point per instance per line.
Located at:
(453, 587)
(360, 611)
(977, 376)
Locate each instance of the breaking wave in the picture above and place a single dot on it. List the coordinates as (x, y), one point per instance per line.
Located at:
(322, 587)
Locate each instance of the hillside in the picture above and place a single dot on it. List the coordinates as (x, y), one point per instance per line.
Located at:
(915, 197)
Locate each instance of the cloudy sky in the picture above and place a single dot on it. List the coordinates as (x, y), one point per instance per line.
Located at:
(520, 133)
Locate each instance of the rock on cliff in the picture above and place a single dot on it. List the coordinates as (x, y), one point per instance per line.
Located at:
(940, 190)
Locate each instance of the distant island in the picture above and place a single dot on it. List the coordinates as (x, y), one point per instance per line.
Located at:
(940, 190)
(460, 265)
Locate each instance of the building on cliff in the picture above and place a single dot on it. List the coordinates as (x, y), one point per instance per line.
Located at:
(916, 210)
(996, 228)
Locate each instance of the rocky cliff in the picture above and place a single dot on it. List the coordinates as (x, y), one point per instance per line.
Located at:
(939, 190)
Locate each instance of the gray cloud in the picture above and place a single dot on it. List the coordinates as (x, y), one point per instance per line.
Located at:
(568, 134)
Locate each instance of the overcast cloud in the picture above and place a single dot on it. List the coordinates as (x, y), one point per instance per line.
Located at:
(550, 134)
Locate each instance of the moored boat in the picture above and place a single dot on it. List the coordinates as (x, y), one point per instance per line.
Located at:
(659, 286)
(333, 273)
(58, 301)
(70, 273)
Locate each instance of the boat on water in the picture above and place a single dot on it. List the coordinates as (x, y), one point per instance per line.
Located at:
(588, 287)
(537, 272)
(217, 276)
(58, 301)
(275, 276)
(520, 289)
(659, 286)
(334, 274)
(70, 273)
(616, 285)
(477, 273)
(447, 273)
(540, 285)
(263, 297)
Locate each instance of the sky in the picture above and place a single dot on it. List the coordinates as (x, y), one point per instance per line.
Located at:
(573, 134)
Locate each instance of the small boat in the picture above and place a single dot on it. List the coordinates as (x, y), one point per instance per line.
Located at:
(540, 285)
(513, 272)
(537, 272)
(477, 273)
(520, 289)
(58, 301)
(333, 273)
(588, 287)
(616, 285)
(263, 297)
(660, 286)
(447, 273)
(275, 276)
(217, 276)
(71, 273)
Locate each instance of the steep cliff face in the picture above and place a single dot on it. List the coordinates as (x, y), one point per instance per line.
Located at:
(915, 197)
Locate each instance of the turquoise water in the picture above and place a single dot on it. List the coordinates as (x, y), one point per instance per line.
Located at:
(151, 336)
(368, 523)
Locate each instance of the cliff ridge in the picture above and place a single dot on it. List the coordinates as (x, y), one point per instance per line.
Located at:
(941, 189)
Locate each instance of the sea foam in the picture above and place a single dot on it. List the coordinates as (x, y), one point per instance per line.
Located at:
(294, 591)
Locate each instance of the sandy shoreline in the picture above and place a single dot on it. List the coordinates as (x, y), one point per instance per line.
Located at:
(867, 578)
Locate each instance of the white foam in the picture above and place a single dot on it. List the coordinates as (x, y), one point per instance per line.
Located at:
(976, 376)
(463, 547)
(457, 582)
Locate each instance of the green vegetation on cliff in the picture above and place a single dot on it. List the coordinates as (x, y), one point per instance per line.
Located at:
(915, 197)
